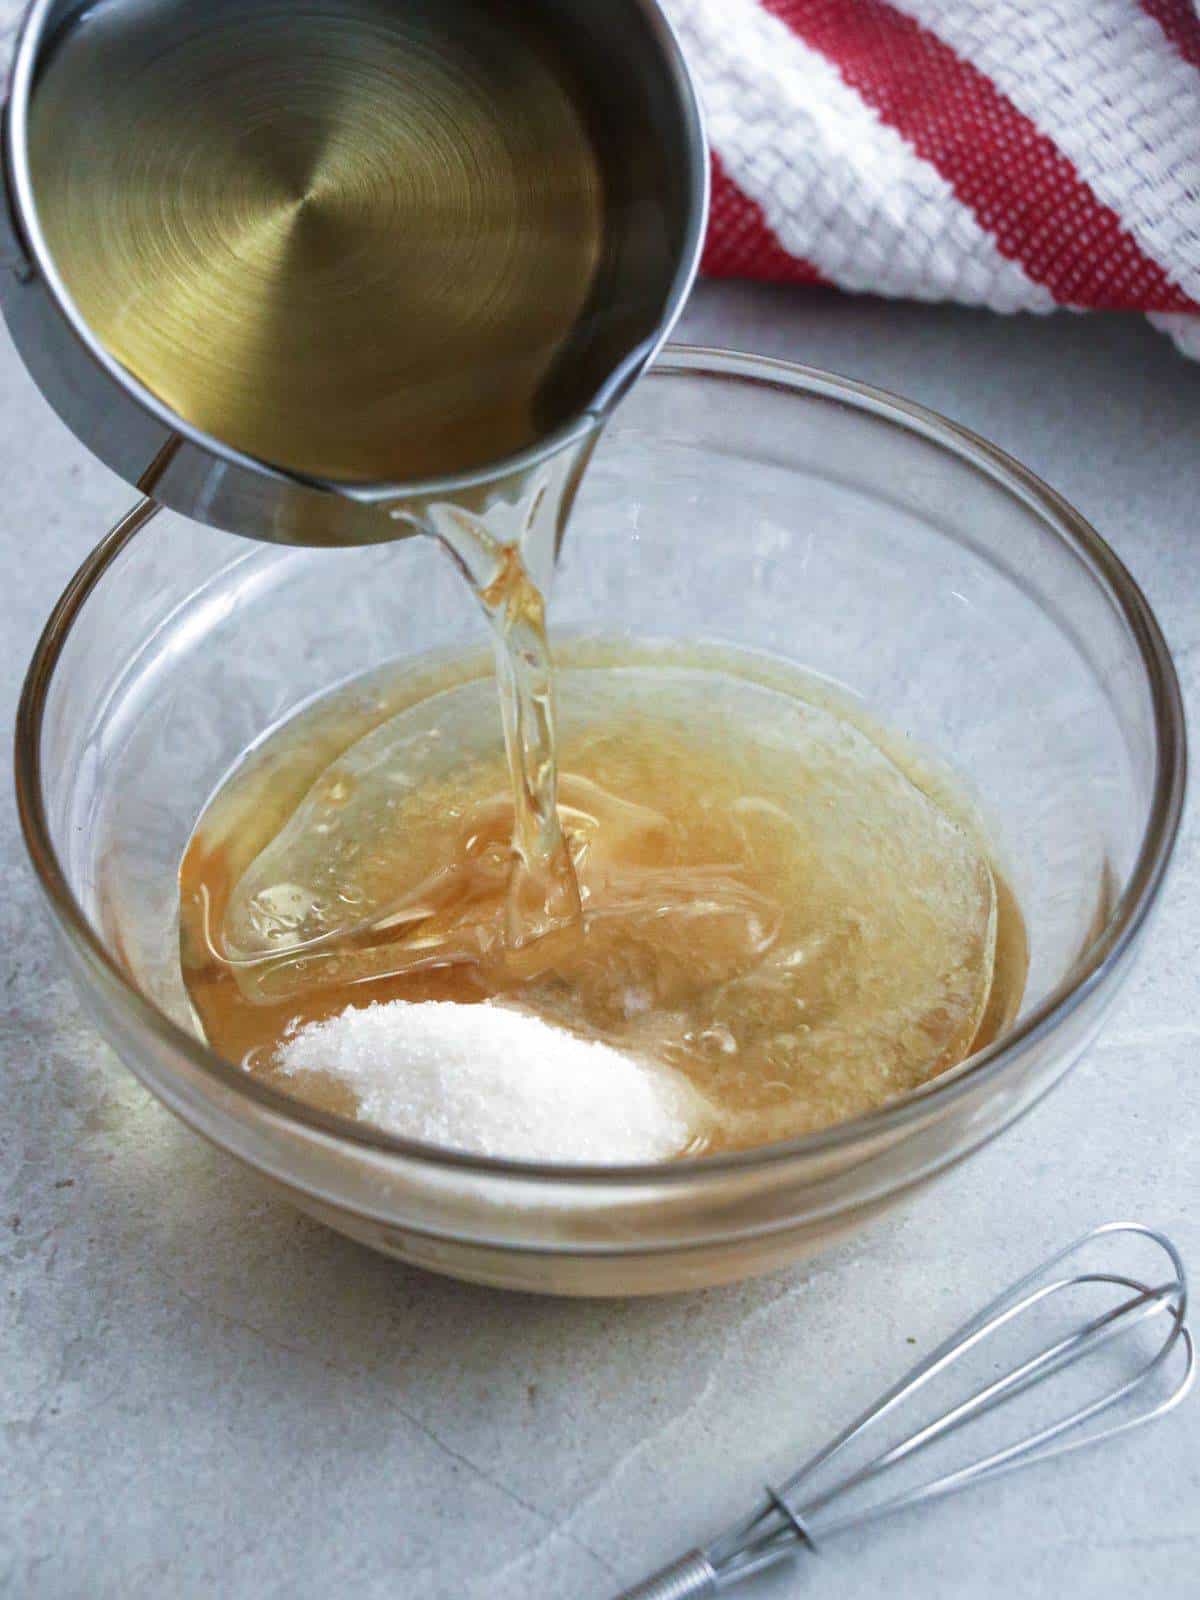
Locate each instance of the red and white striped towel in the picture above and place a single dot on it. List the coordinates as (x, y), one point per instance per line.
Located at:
(1017, 154)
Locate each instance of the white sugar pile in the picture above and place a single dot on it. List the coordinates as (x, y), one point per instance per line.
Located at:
(498, 1082)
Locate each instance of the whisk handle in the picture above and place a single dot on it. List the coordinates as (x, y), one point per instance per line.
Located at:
(690, 1578)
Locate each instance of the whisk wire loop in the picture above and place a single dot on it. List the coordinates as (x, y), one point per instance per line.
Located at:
(792, 1517)
(1033, 1371)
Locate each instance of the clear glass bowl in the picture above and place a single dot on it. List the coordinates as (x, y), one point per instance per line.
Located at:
(733, 498)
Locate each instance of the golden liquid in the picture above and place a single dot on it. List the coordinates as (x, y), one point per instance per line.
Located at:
(358, 239)
(774, 898)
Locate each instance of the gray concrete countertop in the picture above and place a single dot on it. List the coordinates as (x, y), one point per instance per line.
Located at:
(204, 1394)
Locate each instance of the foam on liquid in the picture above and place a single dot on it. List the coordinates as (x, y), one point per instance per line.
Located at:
(770, 902)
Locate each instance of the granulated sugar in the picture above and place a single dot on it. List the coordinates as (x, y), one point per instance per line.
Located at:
(498, 1082)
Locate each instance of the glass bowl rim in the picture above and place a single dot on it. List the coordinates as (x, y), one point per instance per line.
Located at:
(1102, 958)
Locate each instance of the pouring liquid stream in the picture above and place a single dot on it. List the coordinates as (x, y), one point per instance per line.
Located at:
(507, 558)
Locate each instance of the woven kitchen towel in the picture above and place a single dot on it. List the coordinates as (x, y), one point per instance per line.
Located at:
(1017, 154)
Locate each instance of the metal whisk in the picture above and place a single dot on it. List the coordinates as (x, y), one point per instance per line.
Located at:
(800, 1516)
